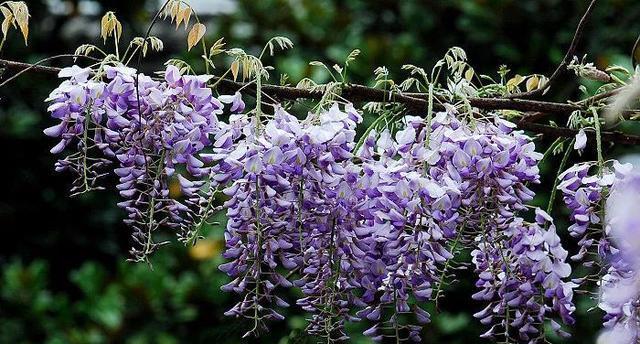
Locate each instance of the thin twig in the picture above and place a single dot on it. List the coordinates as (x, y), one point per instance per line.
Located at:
(25, 67)
(635, 53)
(565, 61)
(608, 136)
(532, 116)
(556, 180)
(148, 32)
(600, 96)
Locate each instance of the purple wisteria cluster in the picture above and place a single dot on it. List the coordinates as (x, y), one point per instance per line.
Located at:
(78, 103)
(147, 127)
(582, 194)
(523, 272)
(289, 210)
(521, 266)
(406, 215)
(620, 286)
(602, 200)
(367, 232)
(585, 187)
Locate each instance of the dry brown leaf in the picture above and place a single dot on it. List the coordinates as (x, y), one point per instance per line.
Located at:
(235, 65)
(532, 83)
(514, 82)
(104, 26)
(174, 10)
(118, 27)
(186, 16)
(195, 35)
(179, 19)
(8, 20)
(110, 26)
(468, 75)
(245, 70)
(16, 13)
(183, 16)
(217, 47)
(22, 18)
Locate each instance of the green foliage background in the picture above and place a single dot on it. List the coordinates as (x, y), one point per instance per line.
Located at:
(63, 274)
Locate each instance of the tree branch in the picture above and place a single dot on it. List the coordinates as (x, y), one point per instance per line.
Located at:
(354, 93)
(415, 102)
(15, 66)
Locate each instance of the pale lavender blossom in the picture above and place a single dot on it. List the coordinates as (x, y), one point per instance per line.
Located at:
(581, 140)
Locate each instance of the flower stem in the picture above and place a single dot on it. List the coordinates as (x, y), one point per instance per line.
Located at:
(596, 123)
(563, 163)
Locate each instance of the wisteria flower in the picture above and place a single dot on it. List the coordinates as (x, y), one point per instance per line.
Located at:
(581, 140)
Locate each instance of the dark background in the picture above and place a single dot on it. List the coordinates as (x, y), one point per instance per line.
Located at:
(63, 271)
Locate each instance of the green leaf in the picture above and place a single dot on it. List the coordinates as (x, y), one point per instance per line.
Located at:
(89, 278)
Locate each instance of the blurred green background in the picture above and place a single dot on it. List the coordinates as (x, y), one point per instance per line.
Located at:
(63, 271)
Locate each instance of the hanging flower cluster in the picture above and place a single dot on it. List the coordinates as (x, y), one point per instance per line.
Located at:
(78, 103)
(620, 286)
(370, 233)
(611, 228)
(582, 194)
(405, 217)
(522, 272)
(367, 231)
(289, 209)
(147, 126)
